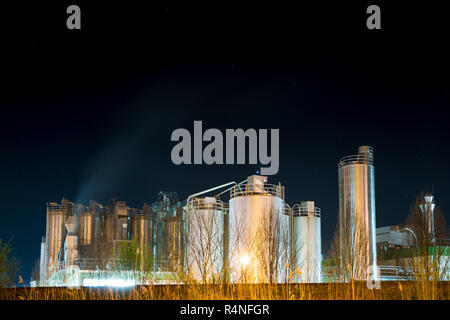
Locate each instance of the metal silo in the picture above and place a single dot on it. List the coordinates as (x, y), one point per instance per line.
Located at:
(56, 232)
(256, 211)
(204, 238)
(174, 240)
(357, 215)
(109, 226)
(306, 251)
(159, 239)
(141, 230)
(88, 226)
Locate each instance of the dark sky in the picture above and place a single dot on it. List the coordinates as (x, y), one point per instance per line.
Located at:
(88, 114)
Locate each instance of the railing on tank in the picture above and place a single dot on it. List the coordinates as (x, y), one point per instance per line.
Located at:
(251, 189)
(356, 159)
(299, 211)
(138, 212)
(54, 206)
(287, 210)
(201, 204)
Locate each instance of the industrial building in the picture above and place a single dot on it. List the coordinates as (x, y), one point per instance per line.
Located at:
(395, 238)
(86, 244)
(403, 249)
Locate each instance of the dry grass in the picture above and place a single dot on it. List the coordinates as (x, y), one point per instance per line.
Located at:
(326, 291)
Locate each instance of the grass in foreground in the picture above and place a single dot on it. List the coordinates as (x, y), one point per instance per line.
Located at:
(325, 291)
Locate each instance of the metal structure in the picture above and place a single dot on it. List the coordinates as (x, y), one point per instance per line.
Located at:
(174, 241)
(56, 232)
(142, 232)
(254, 237)
(89, 224)
(395, 237)
(97, 233)
(357, 214)
(427, 209)
(306, 250)
(205, 238)
(255, 244)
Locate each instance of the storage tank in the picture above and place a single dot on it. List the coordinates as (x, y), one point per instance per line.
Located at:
(88, 228)
(159, 239)
(256, 211)
(205, 238)
(141, 230)
(56, 232)
(286, 244)
(174, 240)
(109, 226)
(306, 251)
(357, 215)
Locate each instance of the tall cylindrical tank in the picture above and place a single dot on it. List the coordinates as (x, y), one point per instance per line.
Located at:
(159, 239)
(286, 244)
(256, 211)
(204, 238)
(141, 231)
(109, 227)
(174, 240)
(306, 251)
(357, 215)
(88, 228)
(56, 232)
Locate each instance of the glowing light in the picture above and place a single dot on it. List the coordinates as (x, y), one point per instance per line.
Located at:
(108, 283)
(244, 260)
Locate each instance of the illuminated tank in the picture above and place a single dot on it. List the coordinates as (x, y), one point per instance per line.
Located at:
(357, 227)
(205, 238)
(256, 212)
(141, 231)
(57, 215)
(89, 221)
(306, 251)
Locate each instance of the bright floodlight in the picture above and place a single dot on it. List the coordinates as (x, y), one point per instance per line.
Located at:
(108, 283)
(244, 260)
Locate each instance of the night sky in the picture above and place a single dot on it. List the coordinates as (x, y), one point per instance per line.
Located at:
(89, 114)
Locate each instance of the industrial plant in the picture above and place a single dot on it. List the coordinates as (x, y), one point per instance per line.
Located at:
(238, 232)
(253, 237)
(86, 244)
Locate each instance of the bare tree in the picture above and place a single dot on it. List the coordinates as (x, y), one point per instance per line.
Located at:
(350, 251)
